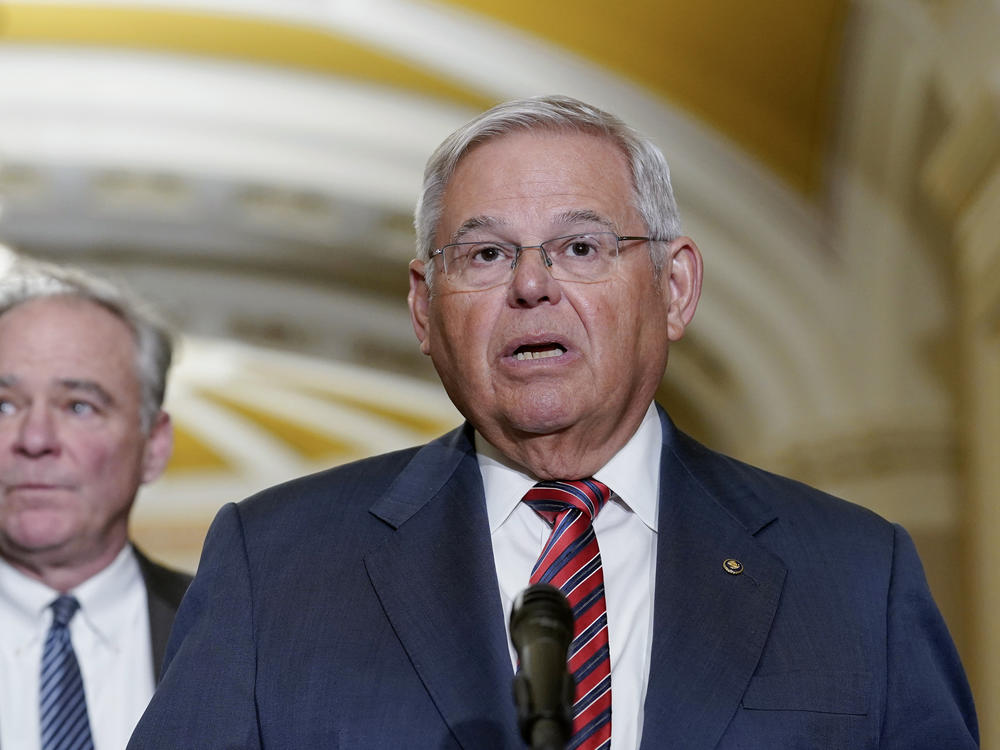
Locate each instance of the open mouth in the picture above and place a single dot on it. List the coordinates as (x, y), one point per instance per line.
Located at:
(539, 351)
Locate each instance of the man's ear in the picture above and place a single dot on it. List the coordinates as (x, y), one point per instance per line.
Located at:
(419, 301)
(682, 272)
(159, 446)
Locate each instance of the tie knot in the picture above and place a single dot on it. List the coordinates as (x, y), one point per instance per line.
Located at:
(63, 609)
(551, 498)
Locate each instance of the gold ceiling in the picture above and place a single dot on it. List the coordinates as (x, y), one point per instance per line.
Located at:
(763, 73)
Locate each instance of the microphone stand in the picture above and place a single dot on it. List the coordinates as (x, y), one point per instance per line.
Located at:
(542, 730)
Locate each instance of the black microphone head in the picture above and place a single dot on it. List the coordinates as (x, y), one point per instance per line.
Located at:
(541, 628)
(544, 610)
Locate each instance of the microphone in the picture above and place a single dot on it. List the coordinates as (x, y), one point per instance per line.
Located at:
(541, 628)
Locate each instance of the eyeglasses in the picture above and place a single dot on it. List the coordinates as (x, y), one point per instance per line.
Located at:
(586, 258)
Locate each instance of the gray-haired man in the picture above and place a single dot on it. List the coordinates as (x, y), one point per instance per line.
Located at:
(84, 615)
(716, 606)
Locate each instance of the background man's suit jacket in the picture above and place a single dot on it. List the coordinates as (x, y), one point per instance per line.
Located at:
(359, 608)
(164, 590)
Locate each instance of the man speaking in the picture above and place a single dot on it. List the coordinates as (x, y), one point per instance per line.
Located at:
(715, 605)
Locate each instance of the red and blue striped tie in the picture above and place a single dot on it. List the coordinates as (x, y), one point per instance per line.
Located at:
(571, 561)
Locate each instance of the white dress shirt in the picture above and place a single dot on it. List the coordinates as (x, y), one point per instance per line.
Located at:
(626, 534)
(111, 638)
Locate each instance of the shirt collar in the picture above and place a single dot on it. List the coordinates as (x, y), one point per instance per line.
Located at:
(27, 599)
(22, 601)
(633, 473)
(102, 597)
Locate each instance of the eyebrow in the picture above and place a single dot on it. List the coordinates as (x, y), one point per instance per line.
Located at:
(89, 386)
(585, 216)
(477, 222)
(573, 216)
(69, 384)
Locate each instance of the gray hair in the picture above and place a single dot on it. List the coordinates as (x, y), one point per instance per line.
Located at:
(28, 280)
(654, 196)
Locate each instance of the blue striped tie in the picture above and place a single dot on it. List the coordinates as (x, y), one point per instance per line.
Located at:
(62, 703)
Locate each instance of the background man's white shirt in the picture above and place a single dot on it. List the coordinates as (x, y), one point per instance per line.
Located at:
(112, 641)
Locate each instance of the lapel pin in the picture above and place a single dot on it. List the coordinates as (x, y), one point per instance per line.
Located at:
(731, 566)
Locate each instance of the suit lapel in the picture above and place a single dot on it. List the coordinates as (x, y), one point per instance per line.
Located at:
(436, 580)
(164, 590)
(710, 625)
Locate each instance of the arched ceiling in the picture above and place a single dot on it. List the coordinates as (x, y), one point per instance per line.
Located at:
(251, 165)
(764, 74)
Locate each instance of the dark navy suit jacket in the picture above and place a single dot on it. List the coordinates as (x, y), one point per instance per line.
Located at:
(359, 608)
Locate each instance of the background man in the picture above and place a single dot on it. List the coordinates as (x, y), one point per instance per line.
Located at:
(82, 377)
(717, 606)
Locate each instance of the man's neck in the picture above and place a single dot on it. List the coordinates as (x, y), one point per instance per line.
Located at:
(61, 574)
(574, 453)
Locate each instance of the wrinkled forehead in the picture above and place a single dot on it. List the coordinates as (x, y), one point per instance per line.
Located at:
(585, 144)
(68, 332)
(542, 178)
(77, 307)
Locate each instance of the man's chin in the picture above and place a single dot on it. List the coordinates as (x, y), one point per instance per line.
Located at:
(38, 530)
(541, 422)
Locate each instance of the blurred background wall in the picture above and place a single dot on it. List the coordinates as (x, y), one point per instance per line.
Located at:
(251, 166)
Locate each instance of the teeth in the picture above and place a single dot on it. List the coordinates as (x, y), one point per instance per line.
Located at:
(539, 355)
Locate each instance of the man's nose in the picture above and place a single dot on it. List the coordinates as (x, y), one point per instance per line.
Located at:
(533, 283)
(37, 433)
